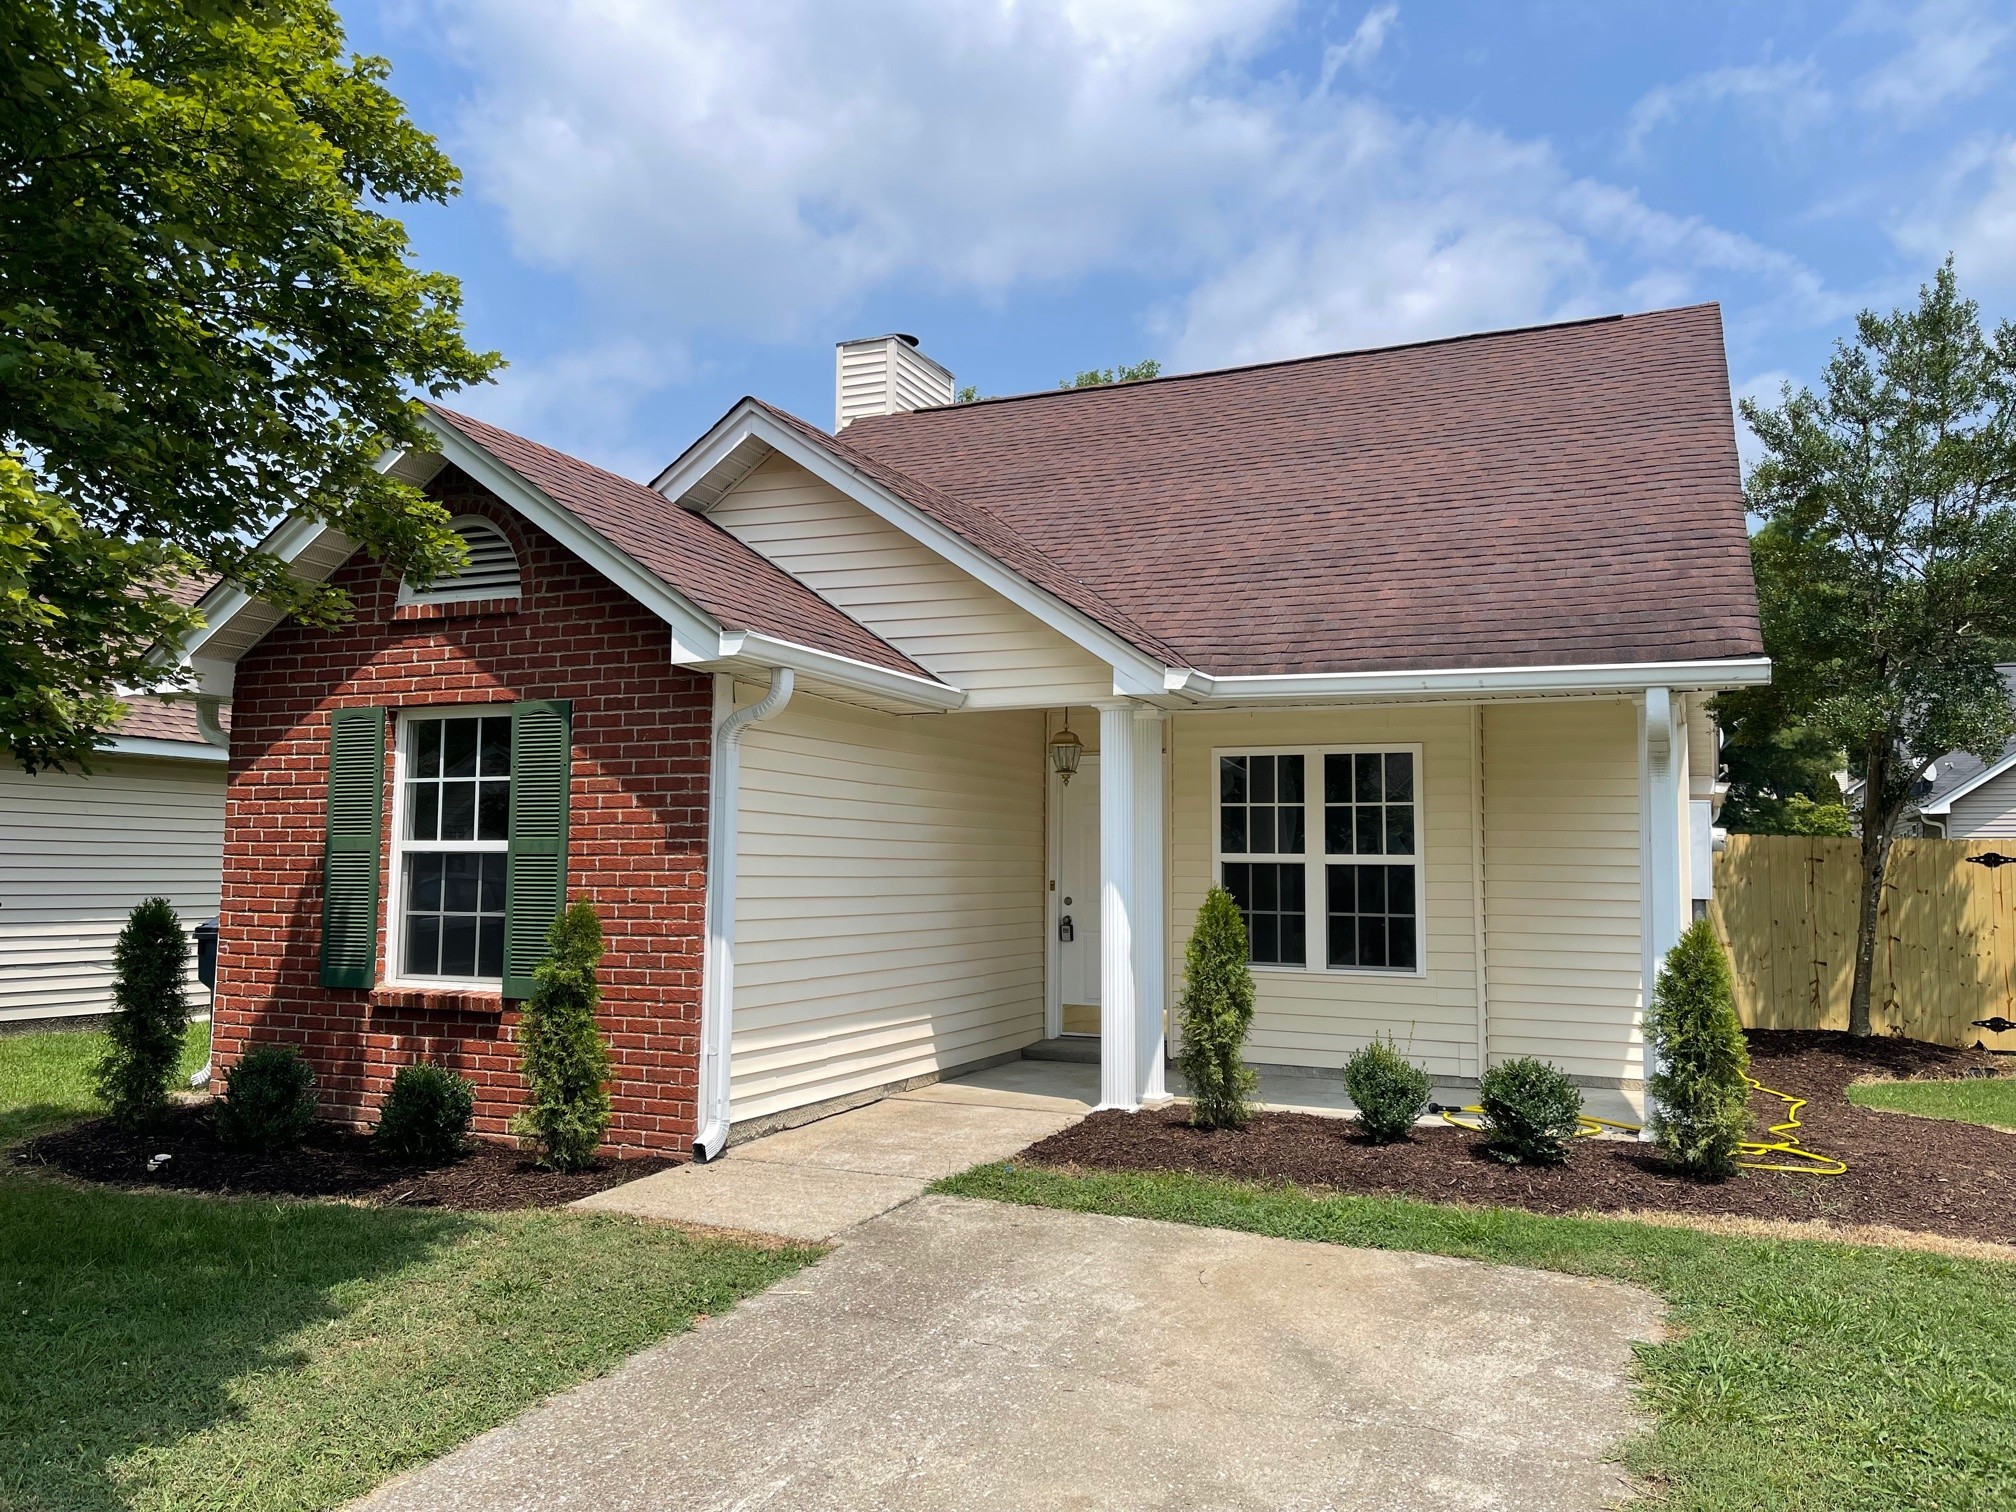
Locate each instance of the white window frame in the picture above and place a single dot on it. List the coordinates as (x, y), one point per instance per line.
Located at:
(446, 593)
(1315, 880)
(405, 721)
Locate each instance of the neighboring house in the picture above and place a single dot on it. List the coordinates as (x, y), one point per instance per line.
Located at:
(1410, 648)
(1971, 799)
(79, 851)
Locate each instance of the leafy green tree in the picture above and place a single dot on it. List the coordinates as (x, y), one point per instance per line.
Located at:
(143, 1042)
(1217, 1011)
(1778, 766)
(1126, 372)
(1887, 573)
(565, 1063)
(207, 322)
(1700, 1089)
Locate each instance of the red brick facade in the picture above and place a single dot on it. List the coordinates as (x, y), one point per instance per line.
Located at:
(636, 846)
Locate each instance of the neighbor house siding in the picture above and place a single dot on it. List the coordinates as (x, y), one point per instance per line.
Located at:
(80, 852)
(943, 619)
(1987, 813)
(1317, 1018)
(889, 899)
(1561, 866)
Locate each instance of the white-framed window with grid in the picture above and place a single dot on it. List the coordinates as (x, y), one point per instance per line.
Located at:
(450, 846)
(1320, 846)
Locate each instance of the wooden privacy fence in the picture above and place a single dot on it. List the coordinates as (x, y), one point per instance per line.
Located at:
(1945, 942)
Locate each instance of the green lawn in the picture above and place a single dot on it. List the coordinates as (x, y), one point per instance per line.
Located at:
(1987, 1101)
(161, 1351)
(1799, 1375)
(45, 1077)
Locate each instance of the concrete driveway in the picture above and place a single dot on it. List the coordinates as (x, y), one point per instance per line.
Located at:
(957, 1354)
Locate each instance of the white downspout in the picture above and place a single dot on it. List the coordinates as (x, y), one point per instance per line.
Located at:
(717, 993)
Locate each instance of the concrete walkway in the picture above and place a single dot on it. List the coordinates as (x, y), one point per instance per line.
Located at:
(956, 1354)
(821, 1179)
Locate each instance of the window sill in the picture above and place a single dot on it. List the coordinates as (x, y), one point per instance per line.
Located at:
(459, 609)
(1384, 973)
(438, 999)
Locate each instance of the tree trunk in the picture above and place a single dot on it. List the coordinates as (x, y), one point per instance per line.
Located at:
(1876, 822)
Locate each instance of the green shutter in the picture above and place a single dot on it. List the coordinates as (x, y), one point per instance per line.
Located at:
(535, 877)
(351, 846)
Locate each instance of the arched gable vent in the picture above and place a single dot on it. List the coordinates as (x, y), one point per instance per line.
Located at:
(491, 572)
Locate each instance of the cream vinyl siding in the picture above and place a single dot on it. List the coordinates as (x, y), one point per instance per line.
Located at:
(889, 901)
(947, 622)
(1561, 880)
(1987, 813)
(1317, 1018)
(76, 853)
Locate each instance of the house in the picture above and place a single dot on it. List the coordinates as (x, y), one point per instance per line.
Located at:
(82, 849)
(1968, 798)
(894, 751)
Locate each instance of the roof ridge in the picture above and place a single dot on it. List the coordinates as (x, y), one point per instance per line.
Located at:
(1617, 317)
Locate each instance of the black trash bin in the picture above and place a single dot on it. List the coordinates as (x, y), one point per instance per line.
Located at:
(206, 954)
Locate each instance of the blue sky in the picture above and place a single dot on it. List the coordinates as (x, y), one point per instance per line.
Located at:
(668, 205)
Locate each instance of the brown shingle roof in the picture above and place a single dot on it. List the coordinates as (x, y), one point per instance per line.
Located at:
(1552, 496)
(148, 718)
(730, 581)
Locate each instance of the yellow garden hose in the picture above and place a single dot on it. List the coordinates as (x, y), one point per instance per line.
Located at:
(1786, 1145)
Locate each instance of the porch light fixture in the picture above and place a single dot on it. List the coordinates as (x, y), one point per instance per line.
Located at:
(1065, 749)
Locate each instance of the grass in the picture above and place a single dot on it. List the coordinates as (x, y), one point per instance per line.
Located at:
(1989, 1100)
(45, 1077)
(161, 1351)
(1797, 1375)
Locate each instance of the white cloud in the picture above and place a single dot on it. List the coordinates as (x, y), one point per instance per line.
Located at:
(583, 401)
(1788, 97)
(1363, 47)
(1969, 211)
(1949, 53)
(761, 168)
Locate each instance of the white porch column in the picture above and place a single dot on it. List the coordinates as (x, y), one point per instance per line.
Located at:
(1119, 1018)
(1664, 903)
(1150, 910)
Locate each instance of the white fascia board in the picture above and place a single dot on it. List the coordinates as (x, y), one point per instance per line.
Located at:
(690, 624)
(1134, 672)
(1985, 775)
(1620, 677)
(163, 750)
(924, 692)
(289, 541)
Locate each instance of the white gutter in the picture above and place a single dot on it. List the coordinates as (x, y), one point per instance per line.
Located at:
(717, 992)
(1595, 677)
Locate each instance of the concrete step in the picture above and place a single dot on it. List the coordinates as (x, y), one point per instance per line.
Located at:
(1078, 1049)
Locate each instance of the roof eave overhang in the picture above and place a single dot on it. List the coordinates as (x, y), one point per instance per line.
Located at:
(746, 435)
(163, 750)
(1592, 679)
(697, 637)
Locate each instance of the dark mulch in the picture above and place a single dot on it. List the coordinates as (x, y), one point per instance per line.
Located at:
(332, 1162)
(1909, 1173)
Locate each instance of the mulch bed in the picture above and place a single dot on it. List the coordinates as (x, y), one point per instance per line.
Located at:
(1921, 1174)
(333, 1161)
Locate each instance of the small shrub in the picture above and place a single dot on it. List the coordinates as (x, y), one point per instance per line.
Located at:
(565, 1064)
(1700, 1089)
(1390, 1090)
(1530, 1110)
(144, 1040)
(427, 1115)
(1217, 1011)
(270, 1102)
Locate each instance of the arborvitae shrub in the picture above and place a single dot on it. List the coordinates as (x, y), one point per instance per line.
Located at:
(270, 1102)
(1700, 1088)
(144, 1039)
(1390, 1090)
(1530, 1110)
(565, 1064)
(1217, 1011)
(426, 1116)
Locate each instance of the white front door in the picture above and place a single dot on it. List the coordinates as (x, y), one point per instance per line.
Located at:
(1078, 899)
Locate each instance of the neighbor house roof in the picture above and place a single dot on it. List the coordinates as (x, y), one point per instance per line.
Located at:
(730, 581)
(1958, 773)
(1562, 495)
